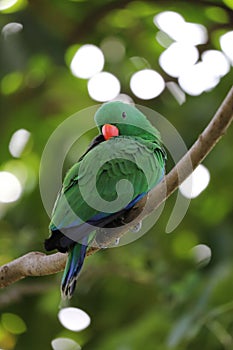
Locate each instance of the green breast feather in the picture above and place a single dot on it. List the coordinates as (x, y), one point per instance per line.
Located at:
(91, 184)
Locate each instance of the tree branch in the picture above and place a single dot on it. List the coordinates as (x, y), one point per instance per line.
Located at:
(39, 264)
(31, 264)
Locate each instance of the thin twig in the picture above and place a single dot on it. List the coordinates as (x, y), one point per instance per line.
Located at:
(39, 264)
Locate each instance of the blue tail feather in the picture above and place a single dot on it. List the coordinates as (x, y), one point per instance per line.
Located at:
(73, 266)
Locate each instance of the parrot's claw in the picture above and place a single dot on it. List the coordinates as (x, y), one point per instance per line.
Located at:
(114, 244)
(117, 241)
(136, 228)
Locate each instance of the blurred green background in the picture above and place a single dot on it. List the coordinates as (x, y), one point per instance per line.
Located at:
(151, 294)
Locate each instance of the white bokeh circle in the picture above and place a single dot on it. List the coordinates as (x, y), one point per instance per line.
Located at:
(10, 187)
(74, 319)
(147, 84)
(87, 61)
(103, 87)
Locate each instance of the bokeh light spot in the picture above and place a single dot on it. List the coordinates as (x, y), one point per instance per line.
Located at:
(147, 84)
(173, 24)
(163, 39)
(226, 43)
(229, 3)
(13, 323)
(21, 170)
(113, 49)
(217, 14)
(216, 62)
(202, 254)
(103, 87)
(196, 182)
(177, 58)
(191, 33)
(11, 29)
(64, 344)
(10, 187)
(18, 142)
(197, 79)
(5, 4)
(18, 5)
(140, 63)
(11, 83)
(74, 319)
(168, 21)
(176, 92)
(122, 18)
(87, 61)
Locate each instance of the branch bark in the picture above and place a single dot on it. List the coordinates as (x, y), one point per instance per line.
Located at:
(39, 264)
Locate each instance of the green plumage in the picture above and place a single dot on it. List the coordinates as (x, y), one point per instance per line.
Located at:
(132, 159)
(109, 179)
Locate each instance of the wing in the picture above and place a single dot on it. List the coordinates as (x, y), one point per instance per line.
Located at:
(109, 179)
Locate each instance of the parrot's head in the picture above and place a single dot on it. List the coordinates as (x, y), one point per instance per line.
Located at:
(118, 118)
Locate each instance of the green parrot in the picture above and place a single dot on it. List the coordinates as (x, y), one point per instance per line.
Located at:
(122, 164)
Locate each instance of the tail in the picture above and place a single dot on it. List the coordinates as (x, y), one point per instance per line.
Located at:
(73, 266)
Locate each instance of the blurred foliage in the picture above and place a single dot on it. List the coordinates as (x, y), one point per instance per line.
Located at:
(149, 294)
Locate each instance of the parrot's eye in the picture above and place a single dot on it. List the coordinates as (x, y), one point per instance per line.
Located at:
(124, 115)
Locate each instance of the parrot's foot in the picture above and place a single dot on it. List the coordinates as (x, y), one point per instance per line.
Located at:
(113, 244)
(136, 228)
(117, 241)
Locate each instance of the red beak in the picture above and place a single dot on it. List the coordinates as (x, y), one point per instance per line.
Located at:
(109, 131)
